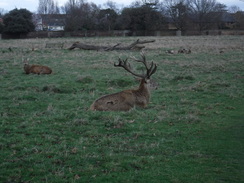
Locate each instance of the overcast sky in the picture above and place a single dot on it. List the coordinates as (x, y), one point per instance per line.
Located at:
(32, 5)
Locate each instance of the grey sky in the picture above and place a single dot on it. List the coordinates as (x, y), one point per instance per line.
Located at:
(32, 5)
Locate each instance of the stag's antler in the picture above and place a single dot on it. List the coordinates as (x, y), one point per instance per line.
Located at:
(126, 66)
(150, 69)
(143, 59)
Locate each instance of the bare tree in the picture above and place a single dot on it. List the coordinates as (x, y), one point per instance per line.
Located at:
(178, 11)
(81, 15)
(233, 9)
(2, 12)
(205, 12)
(48, 7)
(152, 3)
(239, 17)
(112, 5)
(107, 19)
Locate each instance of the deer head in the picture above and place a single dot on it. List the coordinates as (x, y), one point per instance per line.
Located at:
(128, 99)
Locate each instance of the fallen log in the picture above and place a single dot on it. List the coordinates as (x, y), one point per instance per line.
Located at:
(137, 45)
(54, 45)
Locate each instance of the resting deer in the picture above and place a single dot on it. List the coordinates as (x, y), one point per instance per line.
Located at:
(36, 69)
(128, 99)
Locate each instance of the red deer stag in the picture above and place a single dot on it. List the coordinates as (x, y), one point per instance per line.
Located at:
(36, 69)
(128, 99)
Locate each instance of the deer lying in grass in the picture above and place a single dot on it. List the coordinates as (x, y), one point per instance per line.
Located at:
(128, 99)
(36, 69)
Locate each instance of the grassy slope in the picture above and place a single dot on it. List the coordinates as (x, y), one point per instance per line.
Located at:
(192, 131)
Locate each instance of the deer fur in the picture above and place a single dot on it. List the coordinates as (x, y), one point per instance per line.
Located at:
(36, 69)
(127, 99)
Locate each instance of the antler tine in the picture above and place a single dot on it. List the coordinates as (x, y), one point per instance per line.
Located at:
(143, 59)
(122, 63)
(152, 69)
(126, 66)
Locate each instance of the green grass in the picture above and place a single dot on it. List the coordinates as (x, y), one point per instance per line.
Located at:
(192, 131)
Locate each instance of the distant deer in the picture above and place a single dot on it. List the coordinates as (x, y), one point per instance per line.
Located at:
(36, 69)
(128, 99)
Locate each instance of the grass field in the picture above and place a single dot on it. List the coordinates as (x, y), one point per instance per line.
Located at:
(191, 132)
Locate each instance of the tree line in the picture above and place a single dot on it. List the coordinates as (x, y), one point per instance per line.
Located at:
(147, 15)
(141, 15)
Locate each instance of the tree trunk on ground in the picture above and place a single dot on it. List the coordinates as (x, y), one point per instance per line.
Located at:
(137, 45)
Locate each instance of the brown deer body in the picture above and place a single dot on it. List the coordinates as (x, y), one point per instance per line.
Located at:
(127, 99)
(36, 69)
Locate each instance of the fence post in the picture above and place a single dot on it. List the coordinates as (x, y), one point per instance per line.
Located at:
(157, 33)
(178, 33)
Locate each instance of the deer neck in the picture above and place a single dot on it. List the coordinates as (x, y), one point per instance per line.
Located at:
(26, 67)
(143, 89)
(142, 94)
